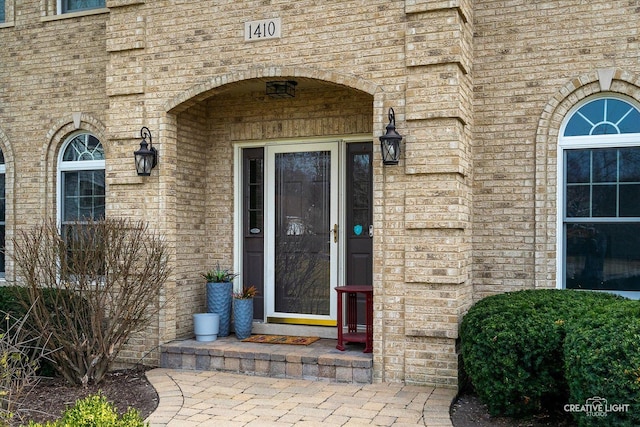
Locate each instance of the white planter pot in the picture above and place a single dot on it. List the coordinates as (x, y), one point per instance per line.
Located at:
(206, 326)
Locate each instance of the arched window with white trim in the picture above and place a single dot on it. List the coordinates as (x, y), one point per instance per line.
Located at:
(3, 210)
(81, 180)
(599, 198)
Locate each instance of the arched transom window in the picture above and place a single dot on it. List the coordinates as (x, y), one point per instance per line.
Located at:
(604, 116)
(600, 196)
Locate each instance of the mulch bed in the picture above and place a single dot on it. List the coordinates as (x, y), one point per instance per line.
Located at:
(469, 411)
(51, 396)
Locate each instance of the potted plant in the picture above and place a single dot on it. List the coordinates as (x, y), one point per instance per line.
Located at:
(243, 312)
(219, 293)
(206, 326)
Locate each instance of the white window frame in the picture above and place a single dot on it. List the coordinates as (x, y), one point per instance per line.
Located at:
(628, 140)
(73, 166)
(3, 171)
(59, 8)
(9, 14)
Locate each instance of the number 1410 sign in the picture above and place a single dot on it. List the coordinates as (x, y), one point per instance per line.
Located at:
(264, 29)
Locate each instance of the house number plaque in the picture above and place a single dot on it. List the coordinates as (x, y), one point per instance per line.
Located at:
(261, 30)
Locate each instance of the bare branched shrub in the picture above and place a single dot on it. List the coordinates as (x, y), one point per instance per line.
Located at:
(101, 280)
(20, 353)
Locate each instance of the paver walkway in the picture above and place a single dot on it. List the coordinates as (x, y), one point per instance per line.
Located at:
(209, 398)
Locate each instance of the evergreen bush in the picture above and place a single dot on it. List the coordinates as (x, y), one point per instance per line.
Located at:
(10, 301)
(602, 365)
(512, 347)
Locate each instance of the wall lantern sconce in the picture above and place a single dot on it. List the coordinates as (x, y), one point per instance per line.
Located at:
(390, 142)
(146, 157)
(282, 89)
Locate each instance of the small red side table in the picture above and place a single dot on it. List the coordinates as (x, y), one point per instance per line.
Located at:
(352, 334)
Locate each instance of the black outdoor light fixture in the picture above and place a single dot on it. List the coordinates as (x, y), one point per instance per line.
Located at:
(390, 142)
(282, 89)
(147, 156)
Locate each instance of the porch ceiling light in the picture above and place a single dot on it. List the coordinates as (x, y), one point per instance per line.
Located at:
(146, 157)
(390, 142)
(282, 89)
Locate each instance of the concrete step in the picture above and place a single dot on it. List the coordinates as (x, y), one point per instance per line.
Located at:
(319, 361)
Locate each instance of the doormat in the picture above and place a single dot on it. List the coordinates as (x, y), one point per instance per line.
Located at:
(281, 339)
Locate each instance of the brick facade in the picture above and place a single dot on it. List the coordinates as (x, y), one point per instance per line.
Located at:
(479, 88)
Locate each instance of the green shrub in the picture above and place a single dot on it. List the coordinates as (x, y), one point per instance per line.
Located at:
(10, 301)
(14, 301)
(95, 411)
(602, 360)
(512, 347)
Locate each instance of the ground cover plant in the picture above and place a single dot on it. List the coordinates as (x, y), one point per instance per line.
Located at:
(51, 396)
(95, 411)
(514, 350)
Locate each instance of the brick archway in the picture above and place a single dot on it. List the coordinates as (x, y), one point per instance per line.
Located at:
(210, 87)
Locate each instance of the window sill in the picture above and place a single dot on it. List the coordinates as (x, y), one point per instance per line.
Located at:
(627, 294)
(61, 16)
(7, 24)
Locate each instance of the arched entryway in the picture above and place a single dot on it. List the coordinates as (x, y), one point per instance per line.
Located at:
(279, 189)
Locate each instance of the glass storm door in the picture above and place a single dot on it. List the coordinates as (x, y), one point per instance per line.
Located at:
(302, 236)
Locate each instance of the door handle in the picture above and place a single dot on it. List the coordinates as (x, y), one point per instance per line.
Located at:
(334, 230)
(371, 230)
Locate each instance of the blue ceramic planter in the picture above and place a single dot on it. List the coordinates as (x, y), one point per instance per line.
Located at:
(219, 296)
(242, 317)
(206, 326)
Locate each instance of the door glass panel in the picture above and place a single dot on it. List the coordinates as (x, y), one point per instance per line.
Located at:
(253, 226)
(359, 215)
(361, 203)
(302, 237)
(255, 205)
